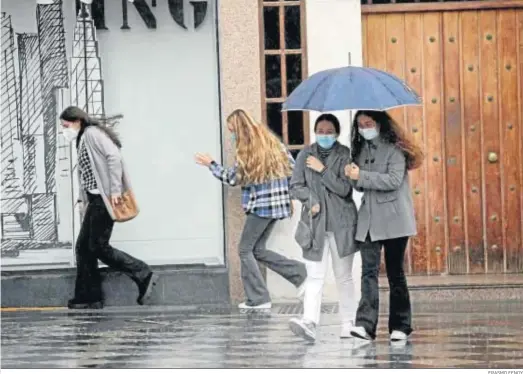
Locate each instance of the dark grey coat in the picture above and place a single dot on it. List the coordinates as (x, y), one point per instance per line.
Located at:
(387, 210)
(333, 191)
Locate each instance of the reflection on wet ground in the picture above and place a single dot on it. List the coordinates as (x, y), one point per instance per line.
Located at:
(446, 335)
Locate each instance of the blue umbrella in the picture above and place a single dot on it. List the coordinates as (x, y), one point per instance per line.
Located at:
(351, 87)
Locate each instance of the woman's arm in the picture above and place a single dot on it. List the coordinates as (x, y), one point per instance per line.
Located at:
(336, 181)
(226, 175)
(104, 145)
(390, 181)
(298, 188)
(347, 173)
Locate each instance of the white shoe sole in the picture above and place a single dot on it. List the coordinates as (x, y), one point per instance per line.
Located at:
(257, 307)
(398, 336)
(298, 330)
(356, 334)
(403, 339)
(397, 344)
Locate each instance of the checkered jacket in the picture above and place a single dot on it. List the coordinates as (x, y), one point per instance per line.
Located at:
(270, 199)
(87, 178)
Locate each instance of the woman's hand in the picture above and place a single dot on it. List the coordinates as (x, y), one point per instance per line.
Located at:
(315, 210)
(347, 170)
(203, 159)
(81, 208)
(352, 171)
(315, 164)
(115, 200)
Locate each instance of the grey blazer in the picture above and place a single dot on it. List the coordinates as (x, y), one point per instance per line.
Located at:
(333, 191)
(108, 166)
(387, 210)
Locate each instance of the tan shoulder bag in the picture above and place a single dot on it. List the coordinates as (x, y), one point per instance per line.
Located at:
(127, 209)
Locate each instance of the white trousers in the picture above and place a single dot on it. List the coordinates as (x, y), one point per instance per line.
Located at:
(347, 285)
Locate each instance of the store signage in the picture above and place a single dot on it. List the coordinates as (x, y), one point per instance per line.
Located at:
(176, 9)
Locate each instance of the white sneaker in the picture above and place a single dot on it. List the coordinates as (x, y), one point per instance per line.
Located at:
(261, 306)
(398, 346)
(346, 330)
(396, 336)
(301, 291)
(360, 333)
(304, 329)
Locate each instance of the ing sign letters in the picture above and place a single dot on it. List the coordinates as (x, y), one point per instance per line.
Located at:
(177, 10)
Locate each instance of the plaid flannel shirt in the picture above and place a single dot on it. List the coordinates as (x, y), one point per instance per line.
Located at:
(270, 199)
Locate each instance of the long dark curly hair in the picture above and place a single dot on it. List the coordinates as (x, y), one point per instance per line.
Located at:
(391, 132)
(74, 113)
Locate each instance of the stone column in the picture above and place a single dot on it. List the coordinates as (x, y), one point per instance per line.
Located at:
(239, 33)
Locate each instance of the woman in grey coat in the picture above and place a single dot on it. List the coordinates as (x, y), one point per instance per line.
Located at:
(327, 226)
(103, 179)
(382, 157)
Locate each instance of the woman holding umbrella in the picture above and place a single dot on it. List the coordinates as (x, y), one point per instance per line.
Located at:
(382, 157)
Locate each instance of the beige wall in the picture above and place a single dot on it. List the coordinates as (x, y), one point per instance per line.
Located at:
(240, 80)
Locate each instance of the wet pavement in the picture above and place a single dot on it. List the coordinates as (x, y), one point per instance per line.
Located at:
(457, 335)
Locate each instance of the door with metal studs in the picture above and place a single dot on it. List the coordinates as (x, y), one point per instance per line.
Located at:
(467, 64)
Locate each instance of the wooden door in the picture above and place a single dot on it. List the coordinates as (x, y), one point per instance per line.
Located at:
(468, 67)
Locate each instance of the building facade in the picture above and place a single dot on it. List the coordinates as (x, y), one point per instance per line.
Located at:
(167, 73)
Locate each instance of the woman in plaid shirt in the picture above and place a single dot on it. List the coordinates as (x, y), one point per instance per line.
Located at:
(263, 168)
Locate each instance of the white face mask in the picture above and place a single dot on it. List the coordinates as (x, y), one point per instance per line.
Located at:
(70, 134)
(369, 134)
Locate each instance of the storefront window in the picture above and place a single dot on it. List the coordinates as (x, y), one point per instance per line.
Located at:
(284, 66)
(152, 67)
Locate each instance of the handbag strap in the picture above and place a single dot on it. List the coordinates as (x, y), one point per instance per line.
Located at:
(310, 210)
(310, 197)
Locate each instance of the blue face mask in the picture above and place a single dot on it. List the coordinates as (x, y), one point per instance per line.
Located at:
(233, 139)
(326, 141)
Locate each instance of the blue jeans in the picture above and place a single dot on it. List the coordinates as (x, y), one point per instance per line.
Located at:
(253, 250)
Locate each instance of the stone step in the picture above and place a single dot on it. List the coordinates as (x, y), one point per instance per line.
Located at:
(463, 287)
(418, 307)
(484, 287)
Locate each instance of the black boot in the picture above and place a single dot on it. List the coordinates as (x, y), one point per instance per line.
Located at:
(146, 287)
(77, 304)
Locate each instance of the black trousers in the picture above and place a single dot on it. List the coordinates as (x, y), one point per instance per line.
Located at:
(399, 307)
(93, 245)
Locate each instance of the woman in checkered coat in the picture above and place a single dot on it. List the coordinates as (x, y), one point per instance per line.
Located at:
(101, 173)
(263, 168)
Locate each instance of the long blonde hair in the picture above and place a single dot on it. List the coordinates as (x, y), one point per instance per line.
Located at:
(261, 156)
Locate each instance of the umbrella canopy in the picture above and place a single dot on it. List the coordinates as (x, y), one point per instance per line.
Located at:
(351, 87)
